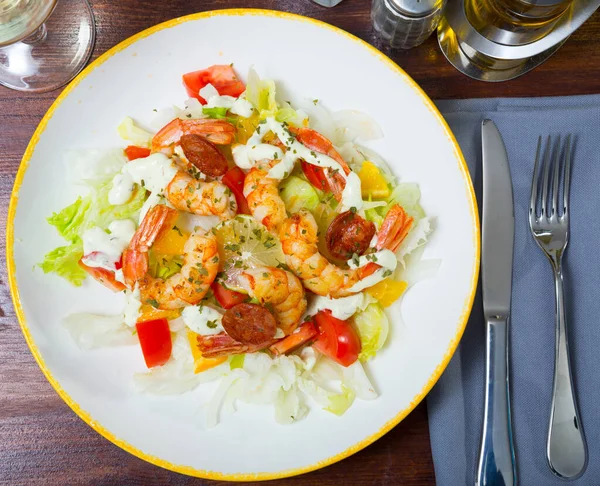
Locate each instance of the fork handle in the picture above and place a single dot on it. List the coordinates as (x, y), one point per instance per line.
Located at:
(496, 456)
(566, 448)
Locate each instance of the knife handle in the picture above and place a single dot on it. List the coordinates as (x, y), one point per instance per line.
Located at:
(496, 455)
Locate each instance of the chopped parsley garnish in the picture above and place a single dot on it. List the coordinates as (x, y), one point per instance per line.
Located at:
(153, 302)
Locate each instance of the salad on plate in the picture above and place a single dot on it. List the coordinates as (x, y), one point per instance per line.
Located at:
(255, 243)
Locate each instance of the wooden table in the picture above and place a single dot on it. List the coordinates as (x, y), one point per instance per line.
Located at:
(41, 439)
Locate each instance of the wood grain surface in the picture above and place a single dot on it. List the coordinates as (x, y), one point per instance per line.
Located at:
(41, 439)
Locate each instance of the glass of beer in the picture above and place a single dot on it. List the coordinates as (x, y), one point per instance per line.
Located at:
(515, 22)
(44, 43)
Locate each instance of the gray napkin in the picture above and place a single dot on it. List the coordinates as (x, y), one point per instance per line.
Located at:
(455, 404)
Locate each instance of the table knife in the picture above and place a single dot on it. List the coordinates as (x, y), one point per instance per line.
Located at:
(496, 464)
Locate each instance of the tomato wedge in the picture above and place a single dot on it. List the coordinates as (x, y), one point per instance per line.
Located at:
(227, 298)
(316, 176)
(337, 339)
(133, 152)
(234, 179)
(155, 340)
(222, 77)
(105, 277)
(304, 334)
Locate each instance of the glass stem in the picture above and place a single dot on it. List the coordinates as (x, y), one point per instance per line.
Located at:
(38, 36)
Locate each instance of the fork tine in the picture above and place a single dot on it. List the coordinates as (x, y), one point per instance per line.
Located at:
(556, 163)
(546, 168)
(567, 176)
(535, 182)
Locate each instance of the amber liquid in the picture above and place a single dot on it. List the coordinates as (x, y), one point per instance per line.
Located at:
(515, 16)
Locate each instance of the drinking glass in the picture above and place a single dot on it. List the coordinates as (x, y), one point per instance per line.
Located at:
(44, 43)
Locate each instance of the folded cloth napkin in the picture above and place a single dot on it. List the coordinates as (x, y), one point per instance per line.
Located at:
(455, 404)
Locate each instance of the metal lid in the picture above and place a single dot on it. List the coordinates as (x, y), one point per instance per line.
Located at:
(415, 8)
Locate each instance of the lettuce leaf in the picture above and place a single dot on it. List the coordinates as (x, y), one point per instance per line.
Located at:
(63, 261)
(128, 130)
(261, 93)
(340, 402)
(86, 212)
(68, 221)
(373, 326)
(91, 331)
(297, 193)
(407, 195)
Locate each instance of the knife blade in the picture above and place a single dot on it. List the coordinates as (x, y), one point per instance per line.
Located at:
(496, 465)
(498, 223)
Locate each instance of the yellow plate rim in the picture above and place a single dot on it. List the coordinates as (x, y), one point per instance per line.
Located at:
(188, 470)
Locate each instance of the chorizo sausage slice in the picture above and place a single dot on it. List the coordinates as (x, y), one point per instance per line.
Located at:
(204, 155)
(249, 324)
(347, 234)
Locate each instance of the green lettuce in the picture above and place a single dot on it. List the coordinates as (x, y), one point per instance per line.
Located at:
(297, 193)
(261, 93)
(407, 195)
(63, 261)
(86, 212)
(373, 326)
(340, 402)
(69, 220)
(130, 131)
(237, 361)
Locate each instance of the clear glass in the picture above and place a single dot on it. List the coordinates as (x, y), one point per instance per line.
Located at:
(526, 19)
(402, 31)
(44, 43)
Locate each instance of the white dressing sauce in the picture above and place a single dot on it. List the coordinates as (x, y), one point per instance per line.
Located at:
(203, 320)
(237, 106)
(153, 200)
(119, 277)
(374, 241)
(386, 259)
(102, 249)
(374, 278)
(154, 173)
(122, 189)
(245, 159)
(351, 195)
(240, 156)
(342, 308)
(156, 170)
(132, 306)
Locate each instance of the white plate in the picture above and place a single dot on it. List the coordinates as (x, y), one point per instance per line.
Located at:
(309, 59)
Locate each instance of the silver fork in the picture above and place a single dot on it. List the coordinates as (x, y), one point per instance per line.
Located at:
(566, 449)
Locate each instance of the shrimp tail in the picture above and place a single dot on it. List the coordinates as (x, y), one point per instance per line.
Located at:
(219, 132)
(394, 228)
(157, 222)
(317, 142)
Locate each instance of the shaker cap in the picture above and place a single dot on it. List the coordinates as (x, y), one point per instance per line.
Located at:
(415, 8)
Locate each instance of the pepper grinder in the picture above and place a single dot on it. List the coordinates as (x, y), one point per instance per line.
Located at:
(406, 23)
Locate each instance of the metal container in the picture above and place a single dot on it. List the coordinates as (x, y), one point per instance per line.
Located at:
(406, 23)
(501, 47)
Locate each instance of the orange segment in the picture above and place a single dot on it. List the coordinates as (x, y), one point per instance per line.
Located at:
(373, 184)
(172, 243)
(149, 313)
(200, 362)
(387, 291)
